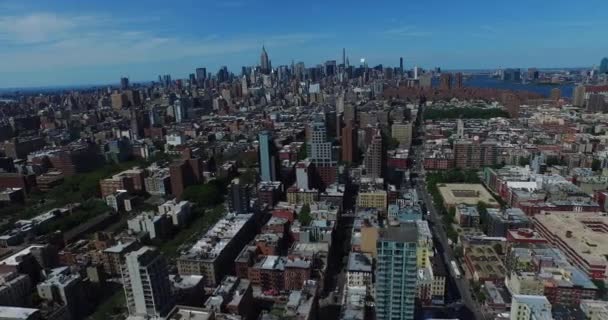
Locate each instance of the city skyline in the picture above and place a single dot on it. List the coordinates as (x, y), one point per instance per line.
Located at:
(71, 43)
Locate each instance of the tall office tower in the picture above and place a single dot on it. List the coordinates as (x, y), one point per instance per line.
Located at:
(192, 79)
(321, 152)
(604, 65)
(264, 62)
(579, 96)
(511, 75)
(401, 65)
(124, 83)
(528, 307)
(244, 88)
(396, 272)
(459, 83)
(416, 73)
(374, 157)
(146, 283)
(344, 57)
(350, 113)
(331, 123)
(268, 157)
(533, 74)
(201, 76)
(350, 150)
(403, 133)
(239, 197)
(167, 80)
(446, 81)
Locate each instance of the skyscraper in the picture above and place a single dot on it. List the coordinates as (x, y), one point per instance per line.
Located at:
(401, 65)
(350, 150)
(374, 157)
(604, 65)
(396, 272)
(344, 57)
(350, 113)
(239, 197)
(446, 81)
(459, 83)
(146, 283)
(201, 76)
(579, 96)
(124, 83)
(264, 62)
(321, 152)
(268, 169)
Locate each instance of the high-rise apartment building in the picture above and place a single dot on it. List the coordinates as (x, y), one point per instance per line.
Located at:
(320, 151)
(375, 157)
(579, 96)
(268, 157)
(473, 154)
(403, 133)
(350, 152)
(445, 81)
(459, 80)
(350, 113)
(239, 197)
(146, 283)
(396, 272)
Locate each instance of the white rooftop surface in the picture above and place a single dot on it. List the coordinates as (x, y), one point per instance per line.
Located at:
(16, 312)
(216, 239)
(12, 260)
(575, 230)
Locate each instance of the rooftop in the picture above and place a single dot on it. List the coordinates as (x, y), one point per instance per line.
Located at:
(215, 240)
(12, 260)
(406, 232)
(16, 312)
(359, 262)
(582, 232)
(470, 194)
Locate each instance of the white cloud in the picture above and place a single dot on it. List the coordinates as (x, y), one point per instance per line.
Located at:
(36, 27)
(407, 31)
(49, 41)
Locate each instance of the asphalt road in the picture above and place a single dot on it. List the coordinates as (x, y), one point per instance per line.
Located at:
(438, 230)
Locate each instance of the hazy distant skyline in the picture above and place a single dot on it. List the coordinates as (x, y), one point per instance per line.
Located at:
(69, 42)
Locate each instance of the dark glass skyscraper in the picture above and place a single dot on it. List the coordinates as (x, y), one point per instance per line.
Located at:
(604, 65)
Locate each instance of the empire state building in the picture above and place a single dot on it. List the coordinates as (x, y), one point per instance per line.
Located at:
(264, 62)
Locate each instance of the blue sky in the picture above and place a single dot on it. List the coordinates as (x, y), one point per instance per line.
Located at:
(62, 42)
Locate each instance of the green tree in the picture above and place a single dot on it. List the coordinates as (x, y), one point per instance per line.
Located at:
(523, 161)
(304, 216)
(498, 249)
(303, 153)
(596, 165)
(205, 195)
(392, 143)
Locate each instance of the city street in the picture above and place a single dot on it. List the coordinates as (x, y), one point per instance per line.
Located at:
(438, 229)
